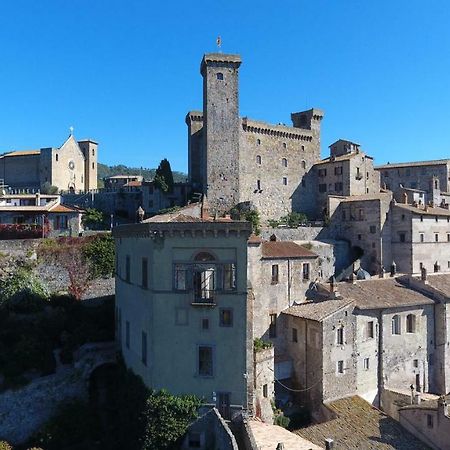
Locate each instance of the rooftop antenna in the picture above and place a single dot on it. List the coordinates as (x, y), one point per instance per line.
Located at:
(219, 43)
(71, 130)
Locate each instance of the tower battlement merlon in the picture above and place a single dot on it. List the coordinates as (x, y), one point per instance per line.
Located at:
(254, 126)
(194, 116)
(307, 120)
(221, 60)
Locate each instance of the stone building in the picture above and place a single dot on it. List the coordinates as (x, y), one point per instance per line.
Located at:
(118, 182)
(432, 177)
(237, 160)
(183, 309)
(71, 167)
(153, 199)
(348, 171)
(364, 337)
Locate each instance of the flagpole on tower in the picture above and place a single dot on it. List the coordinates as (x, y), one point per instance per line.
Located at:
(219, 43)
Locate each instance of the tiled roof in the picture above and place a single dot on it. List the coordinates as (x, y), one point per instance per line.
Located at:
(253, 239)
(435, 162)
(285, 249)
(133, 184)
(381, 293)
(268, 436)
(361, 426)
(21, 153)
(331, 159)
(64, 209)
(430, 211)
(317, 310)
(357, 198)
(441, 282)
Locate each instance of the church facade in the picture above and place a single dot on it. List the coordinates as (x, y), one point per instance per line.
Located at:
(71, 167)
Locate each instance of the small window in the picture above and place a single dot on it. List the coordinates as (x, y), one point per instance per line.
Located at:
(144, 348)
(448, 237)
(127, 269)
(436, 218)
(429, 421)
(303, 164)
(305, 271)
(229, 277)
(258, 185)
(220, 76)
(340, 335)
(370, 330)
(294, 335)
(145, 273)
(93, 165)
(93, 152)
(258, 159)
(303, 148)
(284, 144)
(373, 229)
(274, 273)
(366, 364)
(273, 326)
(205, 361)
(410, 323)
(340, 367)
(436, 237)
(284, 162)
(226, 317)
(359, 237)
(422, 237)
(127, 334)
(258, 141)
(57, 157)
(402, 237)
(265, 391)
(396, 324)
(285, 181)
(416, 363)
(421, 218)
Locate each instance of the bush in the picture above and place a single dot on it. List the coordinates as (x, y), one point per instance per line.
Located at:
(101, 253)
(259, 344)
(5, 446)
(22, 292)
(93, 219)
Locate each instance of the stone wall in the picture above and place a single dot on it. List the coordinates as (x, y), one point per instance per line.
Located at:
(264, 383)
(21, 171)
(34, 404)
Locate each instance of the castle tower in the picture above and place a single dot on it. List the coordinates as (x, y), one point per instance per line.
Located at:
(221, 129)
(89, 149)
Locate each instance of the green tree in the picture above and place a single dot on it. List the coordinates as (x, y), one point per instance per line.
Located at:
(294, 219)
(164, 176)
(167, 418)
(48, 189)
(254, 219)
(93, 218)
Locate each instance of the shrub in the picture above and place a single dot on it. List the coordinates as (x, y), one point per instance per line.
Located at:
(93, 218)
(5, 446)
(100, 251)
(259, 344)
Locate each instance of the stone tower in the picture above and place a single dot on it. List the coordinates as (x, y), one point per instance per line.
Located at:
(221, 129)
(89, 149)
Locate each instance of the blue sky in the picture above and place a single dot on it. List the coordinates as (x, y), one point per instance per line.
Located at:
(126, 72)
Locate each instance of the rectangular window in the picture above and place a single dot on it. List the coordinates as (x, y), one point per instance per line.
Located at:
(258, 185)
(275, 274)
(265, 391)
(370, 330)
(323, 187)
(273, 326)
(145, 273)
(340, 367)
(366, 364)
(144, 348)
(338, 187)
(180, 272)
(415, 363)
(127, 334)
(402, 237)
(285, 181)
(306, 272)
(229, 277)
(205, 361)
(422, 237)
(226, 317)
(127, 269)
(448, 237)
(436, 237)
(294, 335)
(340, 335)
(373, 229)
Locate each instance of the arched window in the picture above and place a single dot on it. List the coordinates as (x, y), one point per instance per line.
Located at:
(410, 323)
(258, 159)
(204, 256)
(284, 162)
(340, 335)
(303, 164)
(396, 324)
(258, 141)
(220, 76)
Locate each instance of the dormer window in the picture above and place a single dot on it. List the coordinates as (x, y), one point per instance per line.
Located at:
(220, 76)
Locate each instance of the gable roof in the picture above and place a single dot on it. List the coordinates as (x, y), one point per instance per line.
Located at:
(284, 250)
(317, 310)
(434, 162)
(21, 153)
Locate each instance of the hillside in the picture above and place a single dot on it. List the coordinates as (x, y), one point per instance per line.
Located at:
(104, 170)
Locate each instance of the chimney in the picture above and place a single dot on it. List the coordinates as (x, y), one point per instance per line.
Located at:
(329, 444)
(423, 275)
(405, 198)
(204, 214)
(280, 446)
(393, 269)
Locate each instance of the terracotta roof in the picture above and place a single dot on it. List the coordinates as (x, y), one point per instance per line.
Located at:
(361, 426)
(285, 249)
(381, 293)
(435, 162)
(253, 239)
(430, 211)
(64, 209)
(133, 184)
(21, 153)
(317, 310)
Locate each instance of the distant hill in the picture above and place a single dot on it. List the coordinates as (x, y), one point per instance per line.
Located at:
(107, 171)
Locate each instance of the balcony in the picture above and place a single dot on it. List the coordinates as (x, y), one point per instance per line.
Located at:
(204, 298)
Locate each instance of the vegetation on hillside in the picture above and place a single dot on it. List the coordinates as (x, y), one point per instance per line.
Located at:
(104, 170)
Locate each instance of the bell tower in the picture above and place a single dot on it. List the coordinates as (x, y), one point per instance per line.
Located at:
(89, 149)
